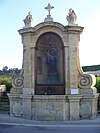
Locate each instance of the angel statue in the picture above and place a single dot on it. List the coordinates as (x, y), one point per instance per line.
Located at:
(28, 20)
(71, 17)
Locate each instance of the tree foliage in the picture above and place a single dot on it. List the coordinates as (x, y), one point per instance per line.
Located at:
(91, 68)
(9, 72)
(6, 80)
(98, 84)
(6, 76)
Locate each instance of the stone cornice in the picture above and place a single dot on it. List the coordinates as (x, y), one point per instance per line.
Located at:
(50, 25)
(74, 29)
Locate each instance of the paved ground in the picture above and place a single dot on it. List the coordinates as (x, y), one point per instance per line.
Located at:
(19, 125)
(49, 129)
(5, 119)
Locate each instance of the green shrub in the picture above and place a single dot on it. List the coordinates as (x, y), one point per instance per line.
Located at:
(98, 84)
(6, 80)
(91, 68)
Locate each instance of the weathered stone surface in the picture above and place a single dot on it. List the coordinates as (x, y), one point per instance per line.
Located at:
(17, 109)
(74, 106)
(85, 110)
(27, 91)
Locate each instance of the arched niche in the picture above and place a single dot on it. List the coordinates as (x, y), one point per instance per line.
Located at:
(49, 65)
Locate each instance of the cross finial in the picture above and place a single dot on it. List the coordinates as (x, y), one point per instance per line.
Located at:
(49, 7)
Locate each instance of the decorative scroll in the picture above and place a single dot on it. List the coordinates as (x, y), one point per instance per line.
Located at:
(86, 81)
(17, 81)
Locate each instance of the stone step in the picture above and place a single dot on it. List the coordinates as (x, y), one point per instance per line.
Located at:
(4, 111)
(4, 108)
(4, 104)
(4, 100)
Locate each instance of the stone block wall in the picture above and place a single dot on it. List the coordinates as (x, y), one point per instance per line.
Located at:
(88, 107)
(50, 108)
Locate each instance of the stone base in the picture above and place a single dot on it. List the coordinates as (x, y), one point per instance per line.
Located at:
(53, 107)
(74, 106)
(27, 26)
(72, 24)
(49, 18)
(50, 108)
(20, 105)
(88, 107)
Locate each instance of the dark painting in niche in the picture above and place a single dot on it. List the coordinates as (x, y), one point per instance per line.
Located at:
(39, 66)
(51, 61)
(49, 68)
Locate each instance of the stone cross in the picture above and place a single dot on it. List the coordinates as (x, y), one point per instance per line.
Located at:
(49, 7)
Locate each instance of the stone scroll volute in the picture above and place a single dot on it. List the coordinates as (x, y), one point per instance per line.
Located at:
(17, 82)
(86, 81)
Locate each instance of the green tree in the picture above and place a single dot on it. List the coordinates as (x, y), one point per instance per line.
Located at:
(6, 80)
(5, 70)
(98, 84)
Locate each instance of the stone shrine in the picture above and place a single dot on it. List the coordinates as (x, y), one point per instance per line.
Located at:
(52, 85)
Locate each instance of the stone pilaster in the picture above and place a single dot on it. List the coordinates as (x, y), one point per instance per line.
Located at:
(26, 106)
(74, 107)
(27, 57)
(27, 60)
(67, 80)
(94, 106)
(33, 70)
(27, 41)
(15, 105)
(11, 103)
(73, 41)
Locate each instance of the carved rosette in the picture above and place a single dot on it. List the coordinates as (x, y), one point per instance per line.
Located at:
(87, 81)
(17, 81)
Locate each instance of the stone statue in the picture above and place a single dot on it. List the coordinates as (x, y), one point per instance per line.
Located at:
(28, 20)
(71, 17)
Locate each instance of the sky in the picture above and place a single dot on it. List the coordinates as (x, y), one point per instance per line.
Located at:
(12, 13)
